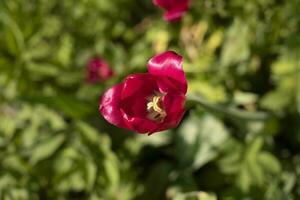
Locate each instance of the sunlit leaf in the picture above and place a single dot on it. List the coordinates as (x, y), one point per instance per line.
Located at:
(46, 148)
(199, 140)
(196, 196)
(236, 46)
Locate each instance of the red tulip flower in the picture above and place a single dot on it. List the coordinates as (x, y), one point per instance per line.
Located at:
(148, 102)
(98, 70)
(174, 9)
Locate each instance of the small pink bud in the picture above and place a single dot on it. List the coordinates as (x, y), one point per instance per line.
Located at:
(98, 70)
(174, 9)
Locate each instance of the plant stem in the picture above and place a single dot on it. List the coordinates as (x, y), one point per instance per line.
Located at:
(226, 111)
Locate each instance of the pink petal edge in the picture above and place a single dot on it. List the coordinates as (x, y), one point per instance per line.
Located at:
(174, 15)
(168, 64)
(109, 106)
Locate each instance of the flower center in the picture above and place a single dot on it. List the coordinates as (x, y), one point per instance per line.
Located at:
(155, 111)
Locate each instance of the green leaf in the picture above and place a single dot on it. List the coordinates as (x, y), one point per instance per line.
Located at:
(65, 50)
(254, 148)
(230, 162)
(88, 132)
(269, 162)
(278, 99)
(112, 172)
(199, 140)
(212, 92)
(285, 73)
(275, 192)
(46, 148)
(155, 189)
(40, 70)
(68, 104)
(244, 179)
(298, 86)
(7, 126)
(91, 175)
(14, 36)
(236, 46)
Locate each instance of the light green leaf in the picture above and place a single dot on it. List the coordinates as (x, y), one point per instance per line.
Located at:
(298, 85)
(112, 172)
(14, 36)
(65, 50)
(88, 132)
(236, 46)
(254, 148)
(199, 140)
(269, 162)
(46, 148)
(91, 175)
(39, 70)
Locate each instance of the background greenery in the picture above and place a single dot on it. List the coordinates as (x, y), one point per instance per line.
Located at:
(241, 143)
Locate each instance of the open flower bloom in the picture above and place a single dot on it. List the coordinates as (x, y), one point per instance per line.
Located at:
(98, 70)
(148, 102)
(174, 8)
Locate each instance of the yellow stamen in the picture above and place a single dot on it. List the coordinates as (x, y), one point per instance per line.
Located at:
(155, 111)
(154, 104)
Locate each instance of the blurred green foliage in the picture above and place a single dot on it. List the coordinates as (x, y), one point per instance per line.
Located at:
(242, 141)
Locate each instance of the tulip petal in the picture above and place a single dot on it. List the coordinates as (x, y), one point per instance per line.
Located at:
(174, 15)
(137, 88)
(110, 106)
(174, 104)
(140, 125)
(168, 85)
(168, 64)
(139, 83)
(174, 8)
(165, 4)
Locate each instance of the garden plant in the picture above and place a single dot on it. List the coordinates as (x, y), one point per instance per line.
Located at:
(149, 100)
